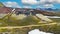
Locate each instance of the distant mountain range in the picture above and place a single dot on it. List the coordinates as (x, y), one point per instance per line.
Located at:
(9, 9)
(44, 11)
(49, 9)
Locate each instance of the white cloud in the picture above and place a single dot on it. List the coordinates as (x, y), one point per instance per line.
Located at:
(45, 6)
(11, 4)
(48, 5)
(42, 1)
(58, 1)
(29, 2)
(27, 7)
(50, 1)
(32, 2)
(39, 7)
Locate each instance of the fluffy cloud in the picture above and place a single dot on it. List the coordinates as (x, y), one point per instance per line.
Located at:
(29, 2)
(50, 1)
(27, 7)
(14, 5)
(45, 6)
(11, 4)
(48, 5)
(32, 2)
(44, 3)
(58, 1)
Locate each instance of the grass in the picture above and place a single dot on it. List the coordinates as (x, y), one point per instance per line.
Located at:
(29, 20)
(13, 21)
(56, 20)
(23, 20)
(50, 28)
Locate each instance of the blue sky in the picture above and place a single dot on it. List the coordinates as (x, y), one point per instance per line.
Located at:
(32, 3)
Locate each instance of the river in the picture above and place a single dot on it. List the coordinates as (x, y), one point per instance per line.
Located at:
(37, 31)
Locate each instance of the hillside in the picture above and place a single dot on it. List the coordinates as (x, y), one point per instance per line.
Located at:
(1, 5)
(4, 9)
(22, 23)
(9, 9)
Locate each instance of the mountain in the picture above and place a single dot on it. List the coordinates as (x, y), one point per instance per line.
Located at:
(49, 9)
(4, 9)
(1, 5)
(9, 9)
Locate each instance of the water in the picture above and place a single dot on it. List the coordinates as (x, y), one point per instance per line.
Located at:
(37, 31)
(52, 16)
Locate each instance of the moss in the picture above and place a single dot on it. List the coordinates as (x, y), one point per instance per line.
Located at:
(29, 20)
